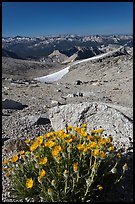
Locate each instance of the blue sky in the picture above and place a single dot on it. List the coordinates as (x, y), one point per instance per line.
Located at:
(53, 18)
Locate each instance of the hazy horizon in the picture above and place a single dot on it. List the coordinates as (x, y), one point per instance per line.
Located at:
(65, 35)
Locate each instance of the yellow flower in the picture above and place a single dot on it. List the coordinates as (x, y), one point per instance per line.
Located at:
(85, 149)
(93, 131)
(100, 188)
(40, 140)
(84, 134)
(69, 127)
(7, 174)
(5, 161)
(60, 133)
(27, 141)
(80, 147)
(27, 152)
(76, 129)
(89, 137)
(56, 150)
(50, 191)
(107, 140)
(63, 136)
(69, 140)
(118, 155)
(102, 141)
(29, 183)
(52, 138)
(111, 148)
(92, 145)
(34, 146)
(49, 144)
(102, 154)
(100, 130)
(84, 125)
(55, 153)
(43, 160)
(96, 152)
(75, 166)
(98, 137)
(42, 173)
(49, 134)
(21, 152)
(73, 137)
(14, 158)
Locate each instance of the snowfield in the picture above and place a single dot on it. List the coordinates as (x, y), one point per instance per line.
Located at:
(58, 75)
(53, 77)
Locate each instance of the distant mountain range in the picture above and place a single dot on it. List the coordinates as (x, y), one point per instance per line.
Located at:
(39, 47)
(6, 53)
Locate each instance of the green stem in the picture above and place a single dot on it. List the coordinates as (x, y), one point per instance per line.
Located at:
(92, 178)
(73, 185)
(77, 177)
(65, 190)
(90, 164)
(119, 178)
(52, 198)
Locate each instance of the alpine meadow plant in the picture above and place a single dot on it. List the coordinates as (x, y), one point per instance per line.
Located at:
(69, 165)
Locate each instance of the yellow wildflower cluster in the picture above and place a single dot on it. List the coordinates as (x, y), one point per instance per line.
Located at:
(69, 154)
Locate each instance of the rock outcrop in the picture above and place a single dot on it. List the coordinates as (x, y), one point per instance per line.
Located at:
(42, 119)
(114, 122)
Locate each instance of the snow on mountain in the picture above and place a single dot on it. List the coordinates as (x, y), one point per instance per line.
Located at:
(58, 75)
(42, 46)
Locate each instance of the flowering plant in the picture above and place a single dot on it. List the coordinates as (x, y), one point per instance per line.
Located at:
(68, 165)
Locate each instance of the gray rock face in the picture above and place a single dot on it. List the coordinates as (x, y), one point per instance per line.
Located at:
(42, 119)
(114, 122)
(11, 104)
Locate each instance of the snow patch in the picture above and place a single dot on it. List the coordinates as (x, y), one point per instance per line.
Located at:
(53, 77)
(58, 75)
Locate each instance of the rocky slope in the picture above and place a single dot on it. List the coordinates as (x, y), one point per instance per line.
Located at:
(108, 81)
(26, 69)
